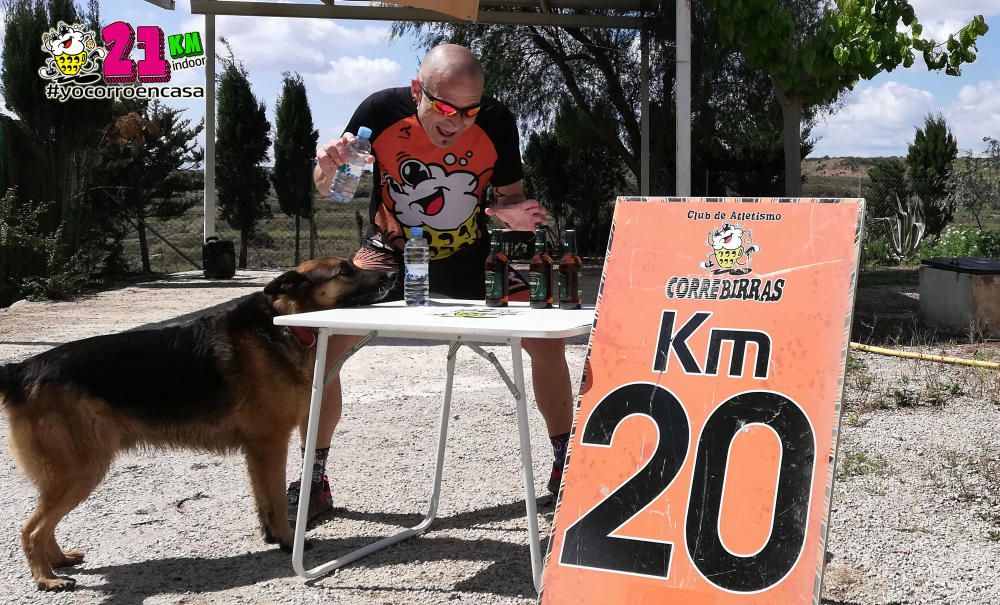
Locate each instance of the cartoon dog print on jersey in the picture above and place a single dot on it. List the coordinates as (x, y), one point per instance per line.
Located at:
(731, 246)
(444, 203)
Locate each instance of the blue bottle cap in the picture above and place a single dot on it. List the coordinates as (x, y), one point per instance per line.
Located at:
(416, 232)
(364, 132)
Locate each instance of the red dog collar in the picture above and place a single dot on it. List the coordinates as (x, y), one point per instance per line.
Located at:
(307, 336)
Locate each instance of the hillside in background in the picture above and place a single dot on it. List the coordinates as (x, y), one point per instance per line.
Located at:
(835, 177)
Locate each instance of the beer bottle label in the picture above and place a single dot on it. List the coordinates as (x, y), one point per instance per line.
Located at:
(563, 295)
(494, 285)
(539, 289)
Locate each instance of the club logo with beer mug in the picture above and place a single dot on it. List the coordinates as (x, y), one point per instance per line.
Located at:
(74, 54)
(731, 247)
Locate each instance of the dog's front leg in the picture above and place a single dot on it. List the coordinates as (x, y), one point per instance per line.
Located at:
(266, 467)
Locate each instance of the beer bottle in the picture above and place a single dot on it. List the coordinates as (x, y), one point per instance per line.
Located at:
(570, 265)
(496, 272)
(540, 273)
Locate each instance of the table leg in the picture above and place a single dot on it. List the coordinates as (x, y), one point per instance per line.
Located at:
(315, 403)
(526, 464)
(317, 395)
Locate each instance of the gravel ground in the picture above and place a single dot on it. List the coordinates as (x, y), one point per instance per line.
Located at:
(916, 515)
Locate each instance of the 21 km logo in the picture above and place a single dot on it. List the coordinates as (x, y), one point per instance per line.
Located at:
(77, 61)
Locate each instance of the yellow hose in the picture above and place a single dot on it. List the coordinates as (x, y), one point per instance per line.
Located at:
(924, 356)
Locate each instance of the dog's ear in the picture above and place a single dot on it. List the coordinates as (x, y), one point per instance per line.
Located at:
(290, 283)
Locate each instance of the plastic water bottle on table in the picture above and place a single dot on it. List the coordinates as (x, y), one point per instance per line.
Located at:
(416, 253)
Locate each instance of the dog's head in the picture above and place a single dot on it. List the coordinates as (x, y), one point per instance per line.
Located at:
(328, 283)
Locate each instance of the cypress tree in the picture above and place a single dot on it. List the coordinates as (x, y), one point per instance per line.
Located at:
(294, 151)
(242, 141)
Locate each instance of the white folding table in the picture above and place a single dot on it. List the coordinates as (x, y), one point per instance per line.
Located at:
(458, 322)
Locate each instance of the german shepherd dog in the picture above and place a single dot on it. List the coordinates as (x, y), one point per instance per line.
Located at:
(226, 382)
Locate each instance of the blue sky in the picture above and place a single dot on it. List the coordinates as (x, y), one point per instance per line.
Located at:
(343, 61)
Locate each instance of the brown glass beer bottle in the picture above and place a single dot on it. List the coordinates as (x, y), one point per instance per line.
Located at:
(570, 269)
(540, 273)
(496, 272)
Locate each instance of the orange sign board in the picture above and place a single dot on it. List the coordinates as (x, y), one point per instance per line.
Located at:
(700, 465)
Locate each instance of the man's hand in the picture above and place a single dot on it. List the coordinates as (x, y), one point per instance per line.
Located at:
(520, 216)
(330, 157)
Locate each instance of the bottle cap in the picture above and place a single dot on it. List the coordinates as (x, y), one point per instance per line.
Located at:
(416, 232)
(364, 132)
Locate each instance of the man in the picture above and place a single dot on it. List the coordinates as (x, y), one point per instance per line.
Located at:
(437, 144)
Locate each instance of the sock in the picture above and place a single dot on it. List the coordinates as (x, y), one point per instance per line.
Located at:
(319, 464)
(559, 445)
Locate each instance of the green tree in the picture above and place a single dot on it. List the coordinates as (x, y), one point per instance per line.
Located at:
(930, 158)
(60, 139)
(5, 123)
(147, 148)
(974, 184)
(813, 53)
(886, 180)
(294, 152)
(577, 175)
(546, 174)
(242, 141)
(736, 125)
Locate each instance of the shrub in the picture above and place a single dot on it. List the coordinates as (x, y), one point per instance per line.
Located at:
(33, 263)
(964, 241)
(25, 253)
(874, 252)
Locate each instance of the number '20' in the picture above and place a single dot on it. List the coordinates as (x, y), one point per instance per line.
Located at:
(589, 543)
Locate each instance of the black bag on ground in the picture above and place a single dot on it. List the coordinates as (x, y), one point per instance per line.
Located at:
(218, 258)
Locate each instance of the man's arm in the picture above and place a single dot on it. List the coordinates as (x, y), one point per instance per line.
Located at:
(515, 210)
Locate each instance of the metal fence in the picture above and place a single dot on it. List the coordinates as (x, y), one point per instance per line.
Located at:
(338, 228)
(335, 231)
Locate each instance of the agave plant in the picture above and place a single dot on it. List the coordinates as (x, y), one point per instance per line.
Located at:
(906, 229)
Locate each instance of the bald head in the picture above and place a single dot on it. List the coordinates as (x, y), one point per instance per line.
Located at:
(450, 81)
(450, 64)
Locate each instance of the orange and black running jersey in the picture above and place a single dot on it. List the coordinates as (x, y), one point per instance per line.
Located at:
(443, 190)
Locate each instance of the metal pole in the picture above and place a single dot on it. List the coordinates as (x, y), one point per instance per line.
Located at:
(312, 211)
(683, 67)
(209, 126)
(644, 117)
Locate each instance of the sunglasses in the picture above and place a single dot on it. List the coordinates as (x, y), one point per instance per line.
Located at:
(447, 109)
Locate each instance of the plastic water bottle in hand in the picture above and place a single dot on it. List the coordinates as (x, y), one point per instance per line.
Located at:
(416, 284)
(345, 182)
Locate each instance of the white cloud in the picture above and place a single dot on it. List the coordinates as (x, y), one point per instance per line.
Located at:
(974, 114)
(942, 18)
(276, 44)
(358, 75)
(875, 120)
(882, 120)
